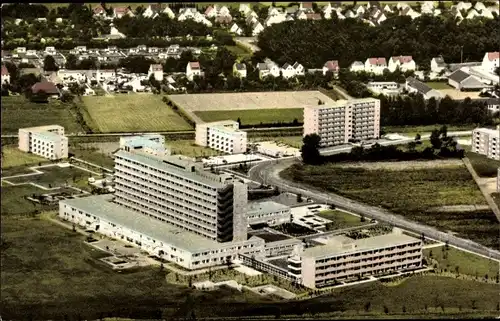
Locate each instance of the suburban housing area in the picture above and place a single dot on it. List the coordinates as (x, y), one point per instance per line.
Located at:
(250, 160)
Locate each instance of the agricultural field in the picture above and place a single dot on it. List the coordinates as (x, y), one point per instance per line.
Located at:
(133, 112)
(484, 167)
(438, 85)
(19, 112)
(465, 263)
(250, 117)
(410, 192)
(341, 219)
(13, 157)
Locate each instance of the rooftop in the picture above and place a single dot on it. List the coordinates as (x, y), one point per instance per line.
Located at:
(179, 166)
(489, 131)
(269, 237)
(266, 206)
(459, 76)
(370, 243)
(418, 85)
(103, 207)
(342, 103)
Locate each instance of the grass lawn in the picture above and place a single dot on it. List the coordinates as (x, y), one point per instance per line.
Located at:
(411, 131)
(467, 263)
(91, 155)
(484, 167)
(189, 148)
(294, 141)
(18, 112)
(14, 203)
(410, 193)
(133, 112)
(438, 85)
(341, 219)
(253, 116)
(54, 176)
(13, 157)
(238, 51)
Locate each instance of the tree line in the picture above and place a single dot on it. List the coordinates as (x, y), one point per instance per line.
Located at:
(312, 43)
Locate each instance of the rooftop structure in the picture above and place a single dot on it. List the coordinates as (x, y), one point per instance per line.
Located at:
(223, 135)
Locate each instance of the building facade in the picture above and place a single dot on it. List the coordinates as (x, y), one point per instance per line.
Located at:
(45, 141)
(178, 191)
(345, 120)
(153, 144)
(224, 136)
(347, 259)
(270, 213)
(485, 141)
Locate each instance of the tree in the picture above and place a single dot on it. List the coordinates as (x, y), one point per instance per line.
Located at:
(412, 146)
(367, 306)
(404, 309)
(299, 198)
(436, 139)
(418, 137)
(71, 62)
(310, 149)
(239, 122)
(49, 64)
(386, 309)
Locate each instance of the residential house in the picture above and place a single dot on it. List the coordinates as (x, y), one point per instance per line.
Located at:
(491, 61)
(224, 11)
(350, 14)
(250, 20)
(357, 66)
(45, 86)
(236, 29)
(479, 6)
(20, 50)
(486, 13)
(274, 11)
(438, 65)
(244, 8)
(472, 14)
(186, 13)
(359, 10)
(402, 5)
(240, 70)
(257, 28)
(464, 81)
(287, 71)
(415, 86)
(377, 16)
(224, 20)
(299, 69)
(301, 15)
(50, 51)
(289, 18)
(119, 12)
(387, 8)
(404, 63)
(333, 66)
(494, 9)
(211, 12)
(463, 6)
(157, 71)
(427, 7)
(306, 6)
(327, 11)
(408, 11)
(375, 65)
(193, 69)
(5, 75)
(313, 16)
(169, 12)
(267, 68)
(152, 11)
(99, 12)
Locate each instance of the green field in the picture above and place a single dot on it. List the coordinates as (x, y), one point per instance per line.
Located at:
(438, 85)
(14, 203)
(92, 155)
(341, 219)
(411, 131)
(250, 117)
(239, 51)
(133, 112)
(484, 167)
(190, 149)
(293, 141)
(18, 112)
(454, 260)
(13, 157)
(410, 193)
(53, 176)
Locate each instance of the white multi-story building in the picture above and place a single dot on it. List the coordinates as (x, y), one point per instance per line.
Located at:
(193, 69)
(157, 71)
(337, 123)
(485, 141)
(491, 61)
(45, 141)
(153, 144)
(222, 135)
(268, 212)
(344, 259)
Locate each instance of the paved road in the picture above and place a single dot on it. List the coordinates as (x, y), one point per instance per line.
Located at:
(268, 173)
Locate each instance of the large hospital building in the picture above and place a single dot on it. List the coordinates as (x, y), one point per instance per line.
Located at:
(337, 123)
(45, 141)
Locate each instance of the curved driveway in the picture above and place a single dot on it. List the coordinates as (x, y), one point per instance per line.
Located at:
(268, 173)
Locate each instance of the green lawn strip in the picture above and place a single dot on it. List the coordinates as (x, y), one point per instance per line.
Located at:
(484, 166)
(14, 157)
(254, 116)
(458, 261)
(438, 85)
(293, 141)
(92, 155)
(341, 219)
(133, 112)
(15, 203)
(411, 131)
(18, 112)
(53, 176)
(190, 149)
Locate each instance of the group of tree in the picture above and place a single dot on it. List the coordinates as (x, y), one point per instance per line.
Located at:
(442, 146)
(312, 43)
